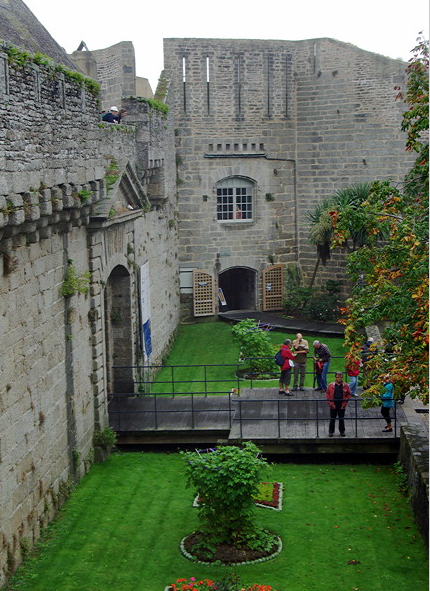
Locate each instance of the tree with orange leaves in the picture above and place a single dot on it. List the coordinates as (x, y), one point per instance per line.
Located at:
(391, 278)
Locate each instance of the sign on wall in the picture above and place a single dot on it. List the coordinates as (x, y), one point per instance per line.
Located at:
(145, 309)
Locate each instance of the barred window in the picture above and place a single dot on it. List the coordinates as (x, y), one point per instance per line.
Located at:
(235, 200)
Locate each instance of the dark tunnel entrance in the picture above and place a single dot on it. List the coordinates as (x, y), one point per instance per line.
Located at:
(238, 286)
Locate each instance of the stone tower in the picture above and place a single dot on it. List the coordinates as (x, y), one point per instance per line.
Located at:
(264, 131)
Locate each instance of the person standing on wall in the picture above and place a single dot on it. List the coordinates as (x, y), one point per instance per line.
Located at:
(322, 353)
(338, 394)
(112, 116)
(301, 349)
(286, 368)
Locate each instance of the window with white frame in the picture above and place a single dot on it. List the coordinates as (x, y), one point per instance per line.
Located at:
(235, 200)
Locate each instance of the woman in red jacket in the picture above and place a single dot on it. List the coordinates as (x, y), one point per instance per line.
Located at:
(353, 369)
(286, 368)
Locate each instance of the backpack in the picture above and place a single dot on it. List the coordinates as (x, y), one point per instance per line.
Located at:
(279, 360)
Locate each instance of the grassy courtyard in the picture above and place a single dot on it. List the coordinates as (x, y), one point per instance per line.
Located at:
(212, 343)
(343, 527)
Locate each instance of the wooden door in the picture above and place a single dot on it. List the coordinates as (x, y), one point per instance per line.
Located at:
(273, 288)
(203, 293)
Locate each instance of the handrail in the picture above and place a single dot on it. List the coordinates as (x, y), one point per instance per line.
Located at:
(238, 413)
(152, 371)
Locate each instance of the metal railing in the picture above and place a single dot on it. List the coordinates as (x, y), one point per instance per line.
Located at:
(319, 417)
(272, 411)
(163, 378)
(123, 416)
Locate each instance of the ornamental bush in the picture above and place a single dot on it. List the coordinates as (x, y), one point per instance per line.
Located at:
(254, 342)
(227, 480)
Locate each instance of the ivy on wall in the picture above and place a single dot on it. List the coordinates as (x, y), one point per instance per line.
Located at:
(21, 58)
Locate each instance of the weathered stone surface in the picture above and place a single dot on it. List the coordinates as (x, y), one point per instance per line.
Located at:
(299, 119)
(56, 213)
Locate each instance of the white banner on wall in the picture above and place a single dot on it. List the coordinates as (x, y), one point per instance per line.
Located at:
(145, 309)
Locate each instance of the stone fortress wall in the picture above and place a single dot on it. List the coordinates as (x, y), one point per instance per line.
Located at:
(74, 193)
(299, 119)
(115, 70)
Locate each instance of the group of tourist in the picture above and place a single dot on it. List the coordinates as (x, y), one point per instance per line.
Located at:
(295, 357)
(338, 392)
(113, 115)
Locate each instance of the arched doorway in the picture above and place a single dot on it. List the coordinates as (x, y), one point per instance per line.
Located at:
(238, 286)
(118, 331)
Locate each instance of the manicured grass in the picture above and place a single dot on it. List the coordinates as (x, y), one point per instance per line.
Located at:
(344, 528)
(212, 343)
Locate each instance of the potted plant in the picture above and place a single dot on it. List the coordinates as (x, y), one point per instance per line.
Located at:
(104, 441)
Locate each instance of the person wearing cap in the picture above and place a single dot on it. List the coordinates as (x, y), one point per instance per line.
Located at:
(112, 116)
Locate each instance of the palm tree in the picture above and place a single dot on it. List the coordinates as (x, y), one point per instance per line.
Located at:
(347, 201)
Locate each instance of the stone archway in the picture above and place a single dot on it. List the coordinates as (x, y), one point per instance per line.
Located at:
(118, 331)
(238, 285)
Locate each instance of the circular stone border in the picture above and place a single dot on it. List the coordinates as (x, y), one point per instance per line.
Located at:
(189, 556)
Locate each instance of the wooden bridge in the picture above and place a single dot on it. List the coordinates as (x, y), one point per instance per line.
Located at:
(276, 423)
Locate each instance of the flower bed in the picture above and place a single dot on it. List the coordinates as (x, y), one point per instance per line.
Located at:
(193, 584)
(227, 553)
(269, 496)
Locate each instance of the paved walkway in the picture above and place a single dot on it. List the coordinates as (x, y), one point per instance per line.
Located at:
(257, 414)
(281, 322)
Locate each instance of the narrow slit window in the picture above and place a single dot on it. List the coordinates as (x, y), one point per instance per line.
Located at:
(184, 81)
(208, 83)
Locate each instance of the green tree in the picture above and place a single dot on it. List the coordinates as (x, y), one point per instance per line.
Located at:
(348, 202)
(226, 480)
(391, 278)
(254, 343)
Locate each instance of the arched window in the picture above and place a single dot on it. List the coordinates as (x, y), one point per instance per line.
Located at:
(235, 199)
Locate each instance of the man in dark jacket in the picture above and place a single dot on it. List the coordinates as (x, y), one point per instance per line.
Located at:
(112, 116)
(338, 394)
(322, 352)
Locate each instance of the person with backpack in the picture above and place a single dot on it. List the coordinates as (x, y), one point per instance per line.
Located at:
(286, 368)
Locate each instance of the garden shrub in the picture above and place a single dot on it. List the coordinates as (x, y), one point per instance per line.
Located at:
(254, 342)
(227, 479)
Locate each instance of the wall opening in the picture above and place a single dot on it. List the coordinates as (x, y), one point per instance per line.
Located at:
(118, 331)
(238, 286)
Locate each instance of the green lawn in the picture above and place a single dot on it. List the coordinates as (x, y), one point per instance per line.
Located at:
(344, 528)
(212, 343)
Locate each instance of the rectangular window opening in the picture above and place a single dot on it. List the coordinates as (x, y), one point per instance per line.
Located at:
(235, 201)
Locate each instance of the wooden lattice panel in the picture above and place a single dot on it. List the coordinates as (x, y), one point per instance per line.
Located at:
(273, 288)
(203, 294)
